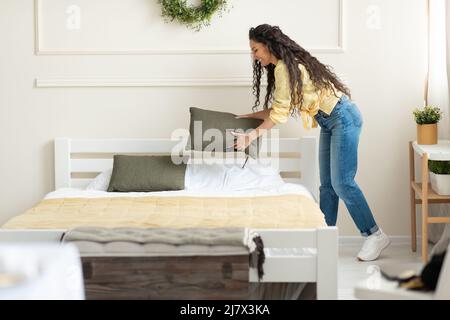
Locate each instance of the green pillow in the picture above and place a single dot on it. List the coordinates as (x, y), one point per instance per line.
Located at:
(224, 122)
(146, 174)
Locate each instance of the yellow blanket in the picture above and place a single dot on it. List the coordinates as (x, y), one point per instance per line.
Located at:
(284, 211)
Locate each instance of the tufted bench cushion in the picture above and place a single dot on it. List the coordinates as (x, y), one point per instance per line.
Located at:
(157, 241)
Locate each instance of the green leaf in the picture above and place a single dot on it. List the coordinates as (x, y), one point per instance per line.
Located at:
(428, 115)
(192, 16)
(439, 167)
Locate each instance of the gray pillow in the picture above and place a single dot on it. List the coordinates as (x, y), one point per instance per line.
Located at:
(224, 122)
(146, 174)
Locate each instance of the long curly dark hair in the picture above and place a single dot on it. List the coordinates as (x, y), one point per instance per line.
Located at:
(286, 49)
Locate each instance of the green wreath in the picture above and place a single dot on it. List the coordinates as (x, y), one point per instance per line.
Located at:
(194, 17)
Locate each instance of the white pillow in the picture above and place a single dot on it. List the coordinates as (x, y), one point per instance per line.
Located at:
(205, 176)
(253, 176)
(101, 182)
(231, 177)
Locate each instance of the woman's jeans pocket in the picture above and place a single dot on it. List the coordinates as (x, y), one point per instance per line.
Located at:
(355, 115)
(350, 115)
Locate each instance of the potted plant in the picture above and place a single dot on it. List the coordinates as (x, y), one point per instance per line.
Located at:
(440, 176)
(427, 120)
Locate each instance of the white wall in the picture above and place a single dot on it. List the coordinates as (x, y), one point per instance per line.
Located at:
(383, 64)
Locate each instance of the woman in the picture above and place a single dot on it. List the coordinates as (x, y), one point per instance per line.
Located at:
(299, 83)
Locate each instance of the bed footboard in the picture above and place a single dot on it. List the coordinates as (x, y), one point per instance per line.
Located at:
(309, 255)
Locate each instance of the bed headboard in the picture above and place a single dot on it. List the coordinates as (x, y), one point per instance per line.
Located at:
(78, 161)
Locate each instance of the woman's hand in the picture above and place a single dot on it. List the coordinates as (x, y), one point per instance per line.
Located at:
(243, 140)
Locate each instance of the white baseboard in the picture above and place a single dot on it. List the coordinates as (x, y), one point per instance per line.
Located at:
(358, 240)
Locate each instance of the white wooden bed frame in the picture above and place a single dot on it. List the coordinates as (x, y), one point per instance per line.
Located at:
(292, 255)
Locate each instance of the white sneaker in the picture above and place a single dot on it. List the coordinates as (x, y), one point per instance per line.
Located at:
(373, 245)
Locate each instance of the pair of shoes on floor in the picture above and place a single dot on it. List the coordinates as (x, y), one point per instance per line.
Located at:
(373, 246)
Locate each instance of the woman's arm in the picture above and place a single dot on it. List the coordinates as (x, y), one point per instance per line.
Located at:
(264, 114)
(245, 139)
(266, 125)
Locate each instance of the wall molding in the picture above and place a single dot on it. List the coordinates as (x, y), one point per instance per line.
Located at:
(40, 50)
(148, 82)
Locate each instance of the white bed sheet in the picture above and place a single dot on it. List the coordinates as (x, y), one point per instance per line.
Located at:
(282, 189)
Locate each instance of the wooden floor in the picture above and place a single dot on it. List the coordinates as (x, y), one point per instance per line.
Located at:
(396, 258)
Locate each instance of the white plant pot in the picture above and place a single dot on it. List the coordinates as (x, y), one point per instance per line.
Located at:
(440, 183)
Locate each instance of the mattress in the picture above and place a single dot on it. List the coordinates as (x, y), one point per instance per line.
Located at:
(262, 211)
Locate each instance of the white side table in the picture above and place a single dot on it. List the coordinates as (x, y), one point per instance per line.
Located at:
(426, 195)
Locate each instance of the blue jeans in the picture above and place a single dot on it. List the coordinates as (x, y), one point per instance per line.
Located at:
(338, 159)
